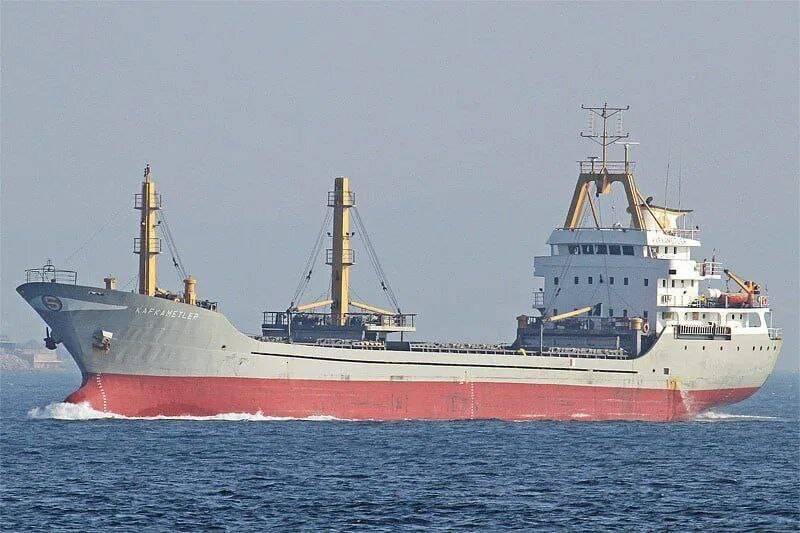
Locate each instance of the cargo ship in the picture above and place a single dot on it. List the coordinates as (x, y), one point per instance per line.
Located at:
(625, 325)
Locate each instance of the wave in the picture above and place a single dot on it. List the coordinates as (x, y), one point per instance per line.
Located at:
(712, 416)
(83, 411)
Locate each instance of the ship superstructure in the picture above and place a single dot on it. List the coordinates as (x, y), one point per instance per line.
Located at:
(625, 326)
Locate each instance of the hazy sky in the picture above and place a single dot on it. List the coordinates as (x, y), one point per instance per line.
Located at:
(457, 123)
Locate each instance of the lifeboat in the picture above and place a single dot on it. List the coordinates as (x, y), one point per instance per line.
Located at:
(736, 299)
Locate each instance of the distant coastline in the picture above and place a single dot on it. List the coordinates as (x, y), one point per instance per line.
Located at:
(31, 357)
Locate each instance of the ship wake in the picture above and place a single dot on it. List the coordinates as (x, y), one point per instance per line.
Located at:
(712, 416)
(84, 411)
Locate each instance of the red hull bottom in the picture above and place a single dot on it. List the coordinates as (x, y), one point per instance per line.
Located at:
(391, 400)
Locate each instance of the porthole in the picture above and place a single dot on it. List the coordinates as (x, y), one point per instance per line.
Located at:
(685, 347)
(760, 348)
(737, 348)
(704, 347)
(754, 348)
(720, 348)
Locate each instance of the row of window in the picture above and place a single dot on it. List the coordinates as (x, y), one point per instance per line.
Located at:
(673, 282)
(600, 279)
(618, 249)
(625, 281)
(600, 249)
(752, 320)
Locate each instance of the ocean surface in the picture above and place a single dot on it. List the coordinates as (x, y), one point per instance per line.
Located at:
(65, 469)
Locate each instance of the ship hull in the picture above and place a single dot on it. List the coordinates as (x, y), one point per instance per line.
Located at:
(168, 358)
(147, 396)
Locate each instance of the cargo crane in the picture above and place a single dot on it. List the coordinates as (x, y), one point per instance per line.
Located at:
(555, 318)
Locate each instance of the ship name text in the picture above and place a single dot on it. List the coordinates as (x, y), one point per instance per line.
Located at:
(175, 313)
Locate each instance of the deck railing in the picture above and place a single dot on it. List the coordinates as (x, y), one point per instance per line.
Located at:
(48, 273)
(708, 331)
(348, 199)
(611, 167)
(155, 245)
(138, 201)
(280, 319)
(709, 268)
(686, 233)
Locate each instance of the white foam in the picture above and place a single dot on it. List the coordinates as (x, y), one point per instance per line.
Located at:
(83, 411)
(68, 411)
(711, 416)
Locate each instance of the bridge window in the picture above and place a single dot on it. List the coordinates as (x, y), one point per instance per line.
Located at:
(664, 283)
(672, 271)
(752, 320)
(555, 311)
(644, 314)
(577, 280)
(625, 313)
(591, 280)
(588, 249)
(624, 281)
(601, 249)
(627, 250)
(555, 280)
(574, 249)
(614, 249)
(646, 282)
(611, 280)
(610, 313)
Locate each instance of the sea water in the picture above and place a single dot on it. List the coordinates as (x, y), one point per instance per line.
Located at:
(68, 467)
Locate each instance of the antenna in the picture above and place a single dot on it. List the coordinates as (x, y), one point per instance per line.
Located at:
(605, 139)
(627, 145)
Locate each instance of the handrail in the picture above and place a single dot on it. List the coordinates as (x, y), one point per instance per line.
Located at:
(686, 233)
(138, 201)
(709, 268)
(348, 198)
(348, 256)
(611, 167)
(281, 318)
(775, 333)
(705, 330)
(48, 273)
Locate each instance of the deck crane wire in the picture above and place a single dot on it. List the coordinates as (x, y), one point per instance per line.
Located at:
(98, 231)
(308, 269)
(173, 248)
(376, 264)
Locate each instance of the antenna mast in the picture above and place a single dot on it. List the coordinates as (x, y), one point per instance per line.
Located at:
(607, 173)
(605, 139)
